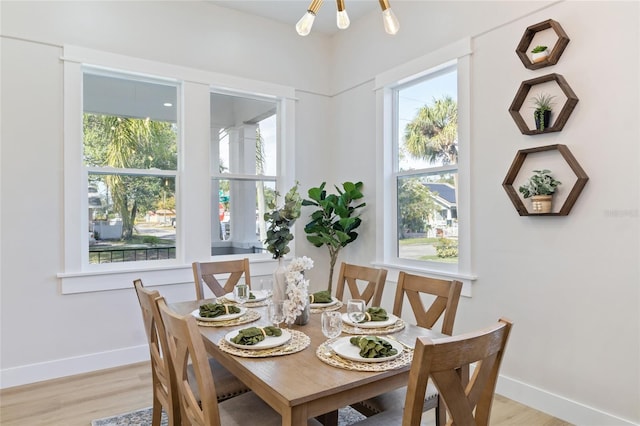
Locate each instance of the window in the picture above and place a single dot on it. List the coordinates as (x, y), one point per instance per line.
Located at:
(244, 158)
(426, 167)
(150, 155)
(424, 186)
(130, 139)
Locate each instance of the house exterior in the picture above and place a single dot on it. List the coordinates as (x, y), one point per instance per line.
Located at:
(444, 196)
(574, 351)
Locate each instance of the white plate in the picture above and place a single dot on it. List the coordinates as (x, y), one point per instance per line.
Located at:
(371, 324)
(268, 342)
(259, 294)
(227, 317)
(346, 350)
(324, 305)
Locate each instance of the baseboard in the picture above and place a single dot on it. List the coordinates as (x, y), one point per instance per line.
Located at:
(556, 405)
(33, 373)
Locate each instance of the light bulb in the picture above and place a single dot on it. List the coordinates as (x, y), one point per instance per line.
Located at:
(303, 27)
(391, 24)
(342, 19)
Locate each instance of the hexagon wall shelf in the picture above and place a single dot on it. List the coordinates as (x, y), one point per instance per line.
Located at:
(507, 184)
(523, 92)
(554, 54)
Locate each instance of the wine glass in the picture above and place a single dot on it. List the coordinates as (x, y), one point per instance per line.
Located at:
(266, 285)
(241, 293)
(331, 327)
(356, 312)
(276, 312)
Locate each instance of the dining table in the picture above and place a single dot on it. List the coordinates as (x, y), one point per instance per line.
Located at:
(305, 380)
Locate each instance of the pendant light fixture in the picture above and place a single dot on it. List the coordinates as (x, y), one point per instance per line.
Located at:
(303, 27)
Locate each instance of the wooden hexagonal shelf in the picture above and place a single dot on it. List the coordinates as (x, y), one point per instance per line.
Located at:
(523, 92)
(581, 181)
(556, 51)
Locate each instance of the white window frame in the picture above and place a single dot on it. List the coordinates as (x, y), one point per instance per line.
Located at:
(386, 214)
(193, 234)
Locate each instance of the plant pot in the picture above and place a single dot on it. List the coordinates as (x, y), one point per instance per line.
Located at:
(543, 120)
(540, 56)
(541, 204)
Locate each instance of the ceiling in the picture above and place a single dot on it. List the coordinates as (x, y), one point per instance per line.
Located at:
(290, 11)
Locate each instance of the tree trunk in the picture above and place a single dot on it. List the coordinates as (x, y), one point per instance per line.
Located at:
(333, 254)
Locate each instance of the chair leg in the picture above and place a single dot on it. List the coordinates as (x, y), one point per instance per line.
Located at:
(441, 412)
(157, 412)
(329, 419)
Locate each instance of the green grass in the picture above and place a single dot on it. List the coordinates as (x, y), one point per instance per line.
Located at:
(416, 241)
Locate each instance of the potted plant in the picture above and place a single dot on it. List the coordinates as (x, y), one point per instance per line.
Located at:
(334, 222)
(543, 104)
(539, 54)
(540, 188)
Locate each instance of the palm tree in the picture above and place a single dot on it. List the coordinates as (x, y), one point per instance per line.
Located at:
(433, 133)
(122, 142)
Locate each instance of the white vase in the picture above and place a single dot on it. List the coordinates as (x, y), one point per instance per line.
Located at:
(280, 281)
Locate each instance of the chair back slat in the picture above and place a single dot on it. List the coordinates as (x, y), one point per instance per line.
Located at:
(442, 361)
(364, 282)
(205, 273)
(447, 296)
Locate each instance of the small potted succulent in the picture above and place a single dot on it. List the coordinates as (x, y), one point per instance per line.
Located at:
(543, 104)
(539, 54)
(540, 188)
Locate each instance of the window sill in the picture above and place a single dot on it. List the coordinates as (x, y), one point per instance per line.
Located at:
(152, 275)
(466, 278)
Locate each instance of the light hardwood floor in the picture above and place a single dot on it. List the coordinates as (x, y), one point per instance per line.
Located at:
(75, 401)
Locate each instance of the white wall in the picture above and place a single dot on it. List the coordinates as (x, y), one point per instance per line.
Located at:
(46, 334)
(570, 284)
(574, 350)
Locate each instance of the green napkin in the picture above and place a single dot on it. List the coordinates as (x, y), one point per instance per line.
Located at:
(373, 347)
(320, 297)
(375, 314)
(253, 335)
(212, 310)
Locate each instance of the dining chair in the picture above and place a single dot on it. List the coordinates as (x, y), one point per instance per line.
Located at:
(205, 272)
(352, 275)
(164, 390)
(441, 361)
(185, 343)
(445, 296)
(229, 385)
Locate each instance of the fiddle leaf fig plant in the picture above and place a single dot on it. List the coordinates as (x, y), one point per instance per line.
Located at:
(335, 219)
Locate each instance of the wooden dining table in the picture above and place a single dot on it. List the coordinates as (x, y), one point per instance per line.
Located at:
(300, 385)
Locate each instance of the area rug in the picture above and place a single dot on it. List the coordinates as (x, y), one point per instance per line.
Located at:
(346, 416)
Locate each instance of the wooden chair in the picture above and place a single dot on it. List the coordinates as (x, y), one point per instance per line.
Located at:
(441, 361)
(445, 305)
(185, 343)
(229, 385)
(350, 275)
(164, 390)
(204, 272)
